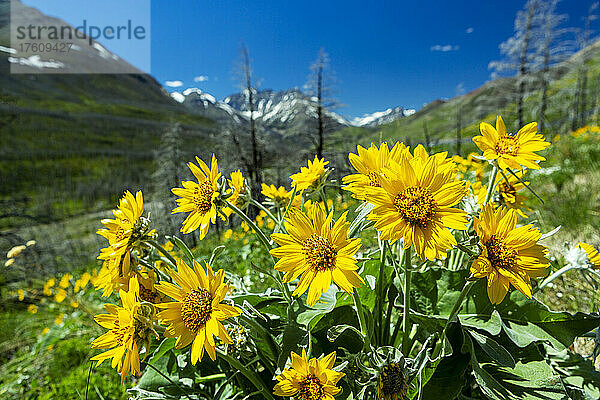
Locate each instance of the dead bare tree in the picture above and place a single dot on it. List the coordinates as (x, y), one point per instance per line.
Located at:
(552, 46)
(320, 87)
(519, 55)
(584, 39)
(253, 164)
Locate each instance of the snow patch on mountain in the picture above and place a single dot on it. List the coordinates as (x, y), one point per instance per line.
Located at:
(36, 62)
(382, 117)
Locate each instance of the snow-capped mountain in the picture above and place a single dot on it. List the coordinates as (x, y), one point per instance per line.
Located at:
(284, 109)
(382, 117)
(285, 112)
(208, 106)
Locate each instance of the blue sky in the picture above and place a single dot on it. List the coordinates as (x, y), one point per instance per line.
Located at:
(384, 53)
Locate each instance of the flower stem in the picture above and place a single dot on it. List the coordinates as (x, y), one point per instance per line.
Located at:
(162, 251)
(263, 208)
(249, 374)
(491, 185)
(287, 208)
(361, 318)
(381, 290)
(324, 199)
(406, 316)
(263, 238)
(261, 235)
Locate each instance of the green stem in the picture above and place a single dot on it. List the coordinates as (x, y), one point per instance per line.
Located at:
(491, 185)
(263, 238)
(263, 208)
(380, 291)
(162, 251)
(465, 249)
(261, 235)
(463, 293)
(169, 379)
(324, 199)
(406, 316)
(555, 275)
(280, 222)
(250, 375)
(163, 276)
(361, 319)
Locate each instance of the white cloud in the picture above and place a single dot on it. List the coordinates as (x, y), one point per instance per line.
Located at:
(174, 83)
(470, 30)
(444, 48)
(201, 78)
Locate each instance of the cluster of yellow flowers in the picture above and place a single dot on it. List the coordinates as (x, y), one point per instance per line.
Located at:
(585, 132)
(415, 197)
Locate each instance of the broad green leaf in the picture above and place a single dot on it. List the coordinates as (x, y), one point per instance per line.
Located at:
(152, 380)
(335, 331)
(524, 320)
(368, 296)
(451, 373)
(493, 349)
(164, 346)
(293, 335)
(311, 316)
(534, 380)
(491, 324)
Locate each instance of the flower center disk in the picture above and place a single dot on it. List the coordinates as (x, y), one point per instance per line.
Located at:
(196, 309)
(507, 145)
(203, 197)
(311, 388)
(319, 253)
(416, 205)
(392, 381)
(499, 255)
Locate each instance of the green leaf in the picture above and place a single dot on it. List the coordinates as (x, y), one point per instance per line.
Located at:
(311, 316)
(530, 381)
(269, 302)
(577, 371)
(293, 335)
(164, 346)
(451, 373)
(368, 297)
(362, 211)
(152, 380)
(491, 324)
(335, 331)
(524, 320)
(488, 384)
(494, 350)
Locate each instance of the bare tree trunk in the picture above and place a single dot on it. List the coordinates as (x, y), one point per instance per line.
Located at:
(545, 70)
(523, 64)
(320, 144)
(256, 169)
